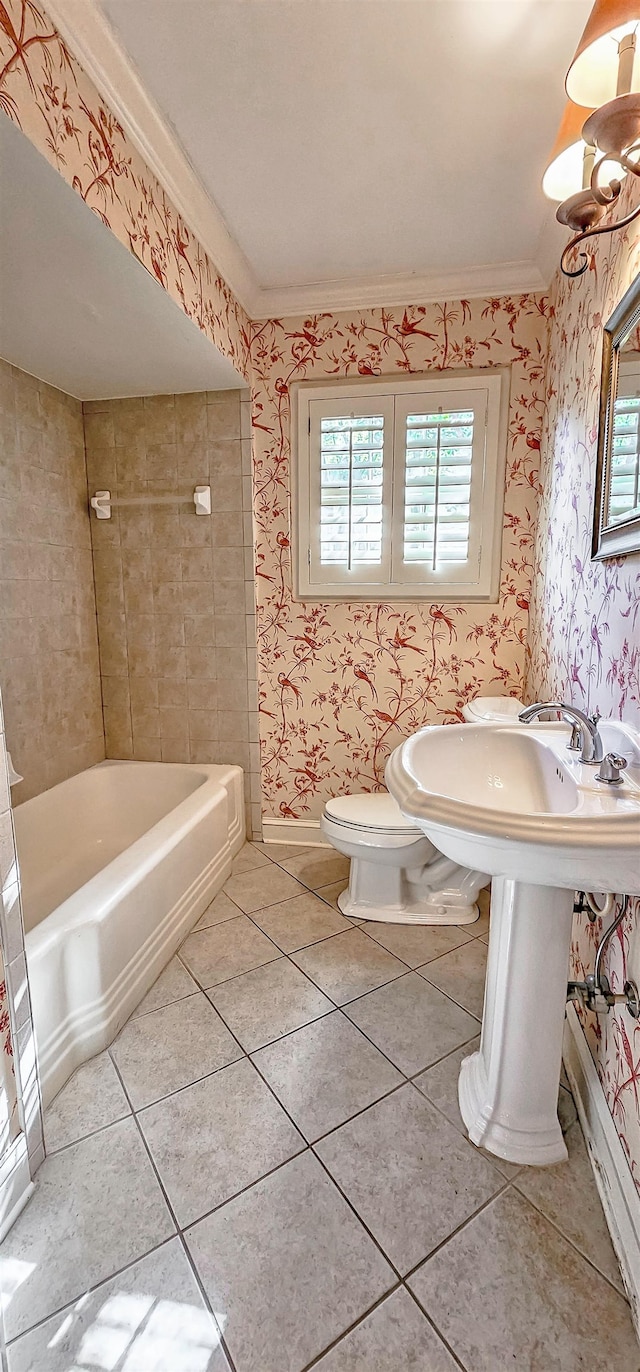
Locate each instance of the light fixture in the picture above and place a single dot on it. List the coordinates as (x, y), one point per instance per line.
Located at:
(604, 78)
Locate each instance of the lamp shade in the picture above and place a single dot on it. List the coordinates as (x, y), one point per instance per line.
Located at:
(564, 173)
(592, 78)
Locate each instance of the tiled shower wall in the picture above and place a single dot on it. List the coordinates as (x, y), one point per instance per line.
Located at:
(48, 641)
(175, 591)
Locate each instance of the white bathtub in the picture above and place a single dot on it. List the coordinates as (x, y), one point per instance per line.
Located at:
(117, 865)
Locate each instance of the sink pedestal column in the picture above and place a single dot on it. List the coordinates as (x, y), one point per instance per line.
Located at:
(508, 1090)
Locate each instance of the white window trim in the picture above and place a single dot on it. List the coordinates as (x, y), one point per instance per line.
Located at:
(488, 529)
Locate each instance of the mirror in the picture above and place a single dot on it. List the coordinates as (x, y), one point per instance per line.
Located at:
(616, 526)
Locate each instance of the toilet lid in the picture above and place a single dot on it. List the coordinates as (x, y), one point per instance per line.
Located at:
(496, 708)
(370, 811)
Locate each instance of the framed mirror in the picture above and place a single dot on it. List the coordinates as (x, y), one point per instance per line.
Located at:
(616, 524)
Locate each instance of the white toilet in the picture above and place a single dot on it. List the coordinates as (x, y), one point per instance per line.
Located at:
(397, 875)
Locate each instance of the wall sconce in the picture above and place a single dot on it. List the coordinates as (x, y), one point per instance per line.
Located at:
(599, 138)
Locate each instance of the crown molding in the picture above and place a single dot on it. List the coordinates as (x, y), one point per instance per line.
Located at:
(91, 39)
(93, 42)
(411, 288)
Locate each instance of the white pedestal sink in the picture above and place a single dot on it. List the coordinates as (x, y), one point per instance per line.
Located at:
(512, 801)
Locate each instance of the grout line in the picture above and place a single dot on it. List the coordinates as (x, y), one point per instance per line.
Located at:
(173, 1215)
(89, 1291)
(335, 1128)
(207, 1303)
(572, 1242)
(454, 1232)
(360, 1320)
(435, 1328)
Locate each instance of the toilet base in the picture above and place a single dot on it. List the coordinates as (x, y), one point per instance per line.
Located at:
(420, 912)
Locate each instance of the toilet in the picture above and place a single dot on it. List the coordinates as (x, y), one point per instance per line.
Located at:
(397, 876)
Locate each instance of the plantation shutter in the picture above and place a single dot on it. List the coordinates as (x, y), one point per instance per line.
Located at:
(624, 473)
(398, 487)
(439, 487)
(350, 490)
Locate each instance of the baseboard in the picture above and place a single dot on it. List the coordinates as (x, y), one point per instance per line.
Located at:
(616, 1187)
(307, 832)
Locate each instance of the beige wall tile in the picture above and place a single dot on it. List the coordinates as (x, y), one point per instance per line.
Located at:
(172, 588)
(49, 672)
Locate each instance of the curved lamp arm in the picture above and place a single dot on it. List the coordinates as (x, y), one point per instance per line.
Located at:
(591, 233)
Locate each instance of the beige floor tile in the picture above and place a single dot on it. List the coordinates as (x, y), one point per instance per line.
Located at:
(510, 1291)
(296, 923)
(151, 1316)
(220, 910)
(249, 859)
(172, 1047)
(280, 852)
(461, 974)
(318, 868)
(287, 1268)
(440, 1084)
(216, 1137)
(395, 1337)
(268, 1002)
(415, 943)
(97, 1207)
(325, 1073)
(567, 1194)
(227, 950)
(331, 892)
(172, 984)
(409, 1174)
(348, 965)
(412, 1022)
(266, 886)
(91, 1099)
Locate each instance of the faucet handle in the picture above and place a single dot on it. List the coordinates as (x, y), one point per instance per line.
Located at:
(610, 768)
(575, 742)
(596, 717)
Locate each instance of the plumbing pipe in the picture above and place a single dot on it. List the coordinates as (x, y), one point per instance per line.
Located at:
(607, 935)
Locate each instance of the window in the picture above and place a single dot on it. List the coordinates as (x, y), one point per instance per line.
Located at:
(398, 487)
(624, 478)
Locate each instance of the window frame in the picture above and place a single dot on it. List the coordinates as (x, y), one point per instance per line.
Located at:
(417, 582)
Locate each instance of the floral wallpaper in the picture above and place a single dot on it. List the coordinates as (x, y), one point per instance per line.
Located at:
(341, 685)
(9, 1121)
(47, 94)
(584, 634)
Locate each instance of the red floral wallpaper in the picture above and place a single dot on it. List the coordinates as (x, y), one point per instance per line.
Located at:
(584, 634)
(46, 92)
(342, 685)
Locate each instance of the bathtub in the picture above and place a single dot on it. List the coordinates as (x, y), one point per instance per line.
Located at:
(117, 864)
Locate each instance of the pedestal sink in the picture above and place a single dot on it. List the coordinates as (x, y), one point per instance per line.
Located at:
(511, 801)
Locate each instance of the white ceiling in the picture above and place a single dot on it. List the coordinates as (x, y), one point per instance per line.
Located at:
(76, 309)
(360, 141)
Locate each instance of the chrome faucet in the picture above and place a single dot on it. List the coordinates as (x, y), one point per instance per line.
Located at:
(590, 741)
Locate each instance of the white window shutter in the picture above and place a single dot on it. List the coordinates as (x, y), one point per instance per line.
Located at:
(350, 484)
(398, 487)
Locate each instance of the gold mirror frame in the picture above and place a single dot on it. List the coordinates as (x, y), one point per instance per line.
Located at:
(623, 537)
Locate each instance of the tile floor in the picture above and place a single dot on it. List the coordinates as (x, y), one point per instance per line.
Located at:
(268, 1172)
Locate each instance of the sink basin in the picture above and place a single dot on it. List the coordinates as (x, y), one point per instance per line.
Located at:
(513, 802)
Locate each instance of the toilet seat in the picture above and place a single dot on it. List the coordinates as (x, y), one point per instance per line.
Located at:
(371, 810)
(493, 710)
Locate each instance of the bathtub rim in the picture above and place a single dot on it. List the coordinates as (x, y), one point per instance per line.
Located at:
(90, 904)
